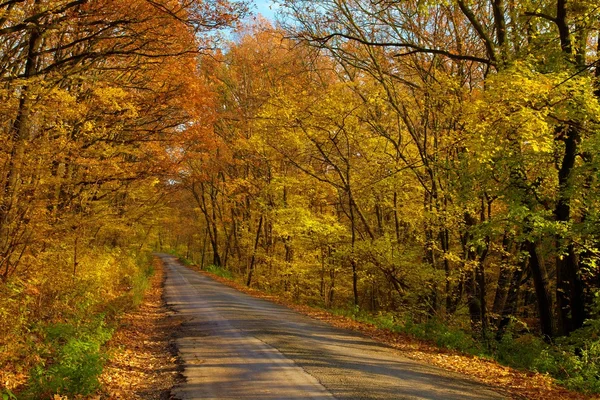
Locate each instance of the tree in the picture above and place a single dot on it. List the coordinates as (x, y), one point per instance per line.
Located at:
(395, 42)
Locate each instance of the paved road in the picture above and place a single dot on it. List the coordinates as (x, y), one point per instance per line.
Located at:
(234, 346)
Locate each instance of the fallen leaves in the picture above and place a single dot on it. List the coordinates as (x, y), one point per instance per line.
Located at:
(143, 364)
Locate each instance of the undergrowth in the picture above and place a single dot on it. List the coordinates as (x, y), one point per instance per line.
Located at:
(73, 361)
(73, 355)
(574, 361)
(67, 320)
(213, 269)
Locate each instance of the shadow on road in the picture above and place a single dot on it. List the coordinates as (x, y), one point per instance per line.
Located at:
(234, 346)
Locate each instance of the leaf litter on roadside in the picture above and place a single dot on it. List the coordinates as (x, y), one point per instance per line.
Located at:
(143, 363)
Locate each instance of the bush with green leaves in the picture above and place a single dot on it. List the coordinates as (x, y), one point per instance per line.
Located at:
(74, 359)
(213, 269)
(7, 395)
(579, 357)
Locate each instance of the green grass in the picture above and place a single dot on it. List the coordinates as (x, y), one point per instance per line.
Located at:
(182, 259)
(72, 353)
(141, 281)
(7, 395)
(73, 361)
(213, 269)
(574, 361)
(432, 331)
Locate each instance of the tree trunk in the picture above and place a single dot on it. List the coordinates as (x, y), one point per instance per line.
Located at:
(570, 291)
(504, 281)
(570, 297)
(512, 297)
(252, 260)
(540, 281)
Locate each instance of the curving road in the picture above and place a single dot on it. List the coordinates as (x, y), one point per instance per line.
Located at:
(234, 346)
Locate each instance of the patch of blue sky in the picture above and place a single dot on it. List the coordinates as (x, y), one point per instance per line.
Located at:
(266, 8)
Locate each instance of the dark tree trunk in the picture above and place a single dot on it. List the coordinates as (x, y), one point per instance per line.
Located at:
(252, 260)
(203, 248)
(396, 219)
(352, 259)
(570, 297)
(570, 291)
(540, 281)
(473, 300)
(504, 281)
(512, 296)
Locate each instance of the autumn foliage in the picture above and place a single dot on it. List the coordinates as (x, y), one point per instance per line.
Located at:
(94, 96)
(431, 164)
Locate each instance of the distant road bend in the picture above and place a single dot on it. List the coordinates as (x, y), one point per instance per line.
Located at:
(234, 346)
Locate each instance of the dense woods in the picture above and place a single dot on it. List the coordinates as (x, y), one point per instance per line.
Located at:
(93, 95)
(423, 161)
(426, 162)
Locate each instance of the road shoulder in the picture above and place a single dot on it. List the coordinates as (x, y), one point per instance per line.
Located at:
(143, 360)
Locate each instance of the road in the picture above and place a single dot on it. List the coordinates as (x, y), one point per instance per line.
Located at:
(234, 346)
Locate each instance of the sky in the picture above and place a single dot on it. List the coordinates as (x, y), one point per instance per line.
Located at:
(264, 7)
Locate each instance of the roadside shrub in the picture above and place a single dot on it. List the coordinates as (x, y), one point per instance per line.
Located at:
(7, 395)
(73, 362)
(54, 319)
(579, 368)
(573, 360)
(385, 321)
(213, 269)
(523, 352)
(141, 282)
(442, 335)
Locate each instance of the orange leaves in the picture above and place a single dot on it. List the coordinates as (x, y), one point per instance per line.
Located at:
(98, 100)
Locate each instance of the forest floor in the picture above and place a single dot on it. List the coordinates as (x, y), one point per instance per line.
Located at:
(512, 382)
(143, 359)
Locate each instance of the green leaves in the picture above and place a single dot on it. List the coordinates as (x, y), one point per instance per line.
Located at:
(8, 395)
(74, 362)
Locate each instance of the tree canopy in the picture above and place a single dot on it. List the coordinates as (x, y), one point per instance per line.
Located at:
(429, 160)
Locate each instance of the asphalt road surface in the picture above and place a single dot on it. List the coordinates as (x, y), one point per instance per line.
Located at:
(234, 346)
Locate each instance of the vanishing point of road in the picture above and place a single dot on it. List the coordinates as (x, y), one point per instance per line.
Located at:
(234, 346)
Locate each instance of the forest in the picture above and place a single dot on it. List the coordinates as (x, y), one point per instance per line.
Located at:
(430, 166)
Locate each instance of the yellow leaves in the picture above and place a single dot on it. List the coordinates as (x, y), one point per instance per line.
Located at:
(514, 113)
(115, 99)
(301, 222)
(573, 100)
(519, 117)
(66, 101)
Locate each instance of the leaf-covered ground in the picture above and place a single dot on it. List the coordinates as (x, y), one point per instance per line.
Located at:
(143, 362)
(509, 381)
